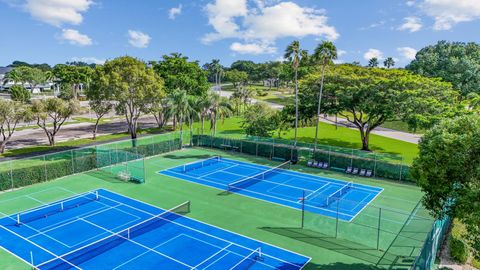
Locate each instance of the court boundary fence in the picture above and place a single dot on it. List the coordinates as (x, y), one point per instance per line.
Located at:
(125, 157)
(339, 159)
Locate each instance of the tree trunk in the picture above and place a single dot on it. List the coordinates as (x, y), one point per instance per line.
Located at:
(51, 139)
(191, 131)
(365, 136)
(319, 107)
(203, 124)
(95, 129)
(3, 145)
(296, 107)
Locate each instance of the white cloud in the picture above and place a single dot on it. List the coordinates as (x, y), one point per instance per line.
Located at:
(251, 48)
(448, 13)
(76, 38)
(260, 24)
(407, 52)
(341, 53)
(174, 12)
(58, 12)
(410, 3)
(412, 24)
(138, 39)
(89, 60)
(373, 53)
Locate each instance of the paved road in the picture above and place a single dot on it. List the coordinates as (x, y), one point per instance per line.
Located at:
(35, 137)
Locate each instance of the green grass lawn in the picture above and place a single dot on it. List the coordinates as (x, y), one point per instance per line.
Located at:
(260, 220)
(329, 135)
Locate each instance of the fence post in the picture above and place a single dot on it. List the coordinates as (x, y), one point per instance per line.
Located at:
(256, 149)
(378, 228)
(329, 155)
(11, 173)
(45, 166)
(375, 166)
(401, 167)
(303, 208)
(351, 159)
(73, 163)
(336, 224)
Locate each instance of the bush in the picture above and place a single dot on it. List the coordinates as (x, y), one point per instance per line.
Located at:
(19, 93)
(458, 249)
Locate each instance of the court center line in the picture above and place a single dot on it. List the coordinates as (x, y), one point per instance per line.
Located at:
(216, 171)
(213, 255)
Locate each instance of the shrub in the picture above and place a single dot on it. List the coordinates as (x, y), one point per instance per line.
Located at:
(458, 249)
(19, 93)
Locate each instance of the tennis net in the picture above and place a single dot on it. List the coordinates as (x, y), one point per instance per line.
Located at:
(54, 208)
(200, 164)
(339, 193)
(249, 260)
(250, 180)
(85, 253)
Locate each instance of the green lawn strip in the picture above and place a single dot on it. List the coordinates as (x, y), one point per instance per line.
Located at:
(260, 220)
(329, 135)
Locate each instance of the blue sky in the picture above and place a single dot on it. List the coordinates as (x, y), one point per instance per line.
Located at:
(54, 31)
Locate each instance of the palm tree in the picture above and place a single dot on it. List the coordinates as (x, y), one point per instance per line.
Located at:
(295, 55)
(220, 107)
(389, 62)
(373, 62)
(181, 107)
(195, 104)
(324, 53)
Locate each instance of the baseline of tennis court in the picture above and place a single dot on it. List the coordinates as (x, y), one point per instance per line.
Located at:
(325, 196)
(105, 230)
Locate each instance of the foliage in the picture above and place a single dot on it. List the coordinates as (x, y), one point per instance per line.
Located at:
(389, 62)
(99, 96)
(236, 77)
(455, 62)
(43, 67)
(373, 62)
(259, 120)
(179, 73)
(214, 71)
(20, 94)
(73, 77)
(458, 249)
(55, 111)
(447, 171)
(367, 97)
(29, 75)
(11, 113)
(134, 87)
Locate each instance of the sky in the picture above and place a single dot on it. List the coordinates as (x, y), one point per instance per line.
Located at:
(93, 31)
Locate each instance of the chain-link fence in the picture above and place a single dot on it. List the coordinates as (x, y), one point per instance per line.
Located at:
(338, 158)
(124, 159)
(426, 260)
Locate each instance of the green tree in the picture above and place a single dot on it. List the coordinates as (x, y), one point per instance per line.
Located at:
(237, 78)
(181, 106)
(51, 114)
(455, 62)
(325, 53)
(20, 94)
(29, 75)
(259, 120)
(389, 62)
(73, 78)
(219, 108)
(368, 97)
(11, 113)
(244, 94)
(179, 73)
(447, 169)
(134, 87)
(99, 97)
(295, 55)
(248, 67)
(373, 62)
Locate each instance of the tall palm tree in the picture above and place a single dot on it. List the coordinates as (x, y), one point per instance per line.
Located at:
(389, 62)
(220, 107)
(195, 104)
(295, 55)
(373, 62)
(181, 107)
(325, 53)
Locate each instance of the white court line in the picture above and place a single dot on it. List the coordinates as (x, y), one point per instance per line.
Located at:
(373, 199)
(205, 233)
(213, 255)
(35, 244)
(218, 259)
(219, 238)
(139, 244)
(29, 194)
(315, 191)
(216, 171)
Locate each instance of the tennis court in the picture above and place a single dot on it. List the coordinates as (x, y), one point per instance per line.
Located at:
(325, 196)
(101, 229)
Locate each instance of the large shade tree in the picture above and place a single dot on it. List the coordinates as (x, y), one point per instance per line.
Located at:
(134, 87)
(448, 171)
(73, 79)
(99, 97)
(51, 114)
(455, 62)
(367, 97)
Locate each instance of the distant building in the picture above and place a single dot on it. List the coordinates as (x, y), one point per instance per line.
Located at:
(5, 84)
(3, 72)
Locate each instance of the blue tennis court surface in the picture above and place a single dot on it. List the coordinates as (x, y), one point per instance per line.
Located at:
(329, 197)
(105, 230)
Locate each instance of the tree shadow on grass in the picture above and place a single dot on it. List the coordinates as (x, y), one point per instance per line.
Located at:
(373, 258)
